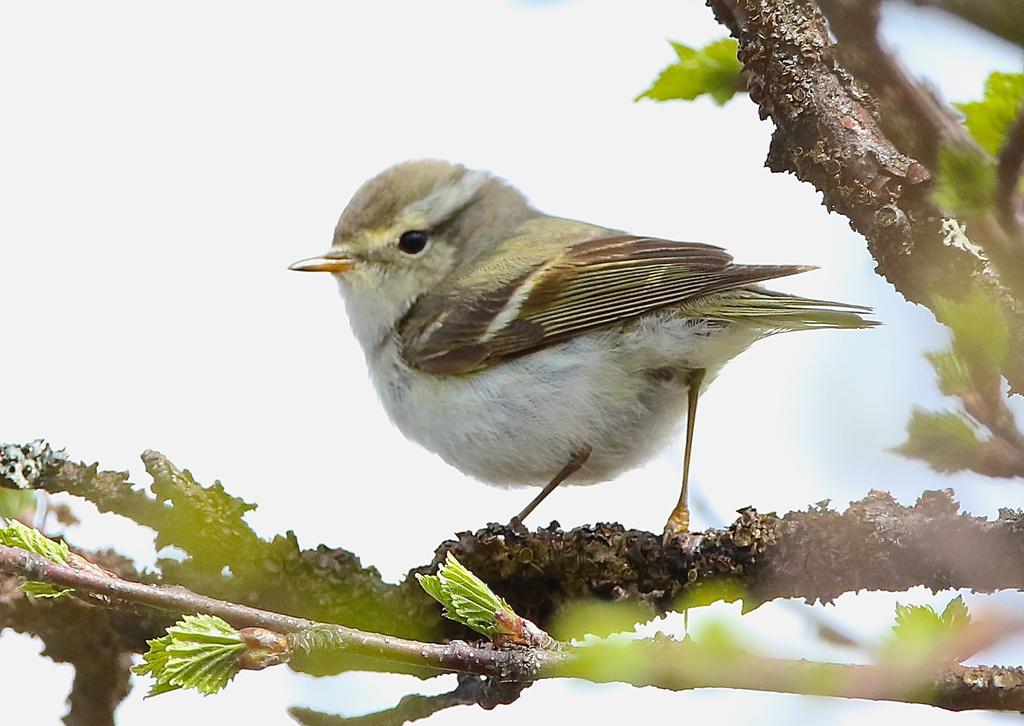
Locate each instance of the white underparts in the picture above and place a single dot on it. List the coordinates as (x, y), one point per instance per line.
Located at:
(620, 390)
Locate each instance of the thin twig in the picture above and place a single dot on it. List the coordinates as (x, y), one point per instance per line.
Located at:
(454, 657)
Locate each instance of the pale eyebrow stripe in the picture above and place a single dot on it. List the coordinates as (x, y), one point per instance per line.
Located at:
(445, 200)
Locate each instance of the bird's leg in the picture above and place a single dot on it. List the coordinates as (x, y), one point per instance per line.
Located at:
(578, 459)
(679, 521)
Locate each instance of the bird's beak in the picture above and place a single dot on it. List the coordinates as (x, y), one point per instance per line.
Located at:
(333, 261)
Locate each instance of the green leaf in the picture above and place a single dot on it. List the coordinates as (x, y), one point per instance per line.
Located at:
(199, 651)
(981, 336)
(920, 634)
(44, 590)
(956, 617)
(16, 534)
(917, 622)
(465, 597)
(989, 119)
(712, 70)
(946, 441)
(951, 371)
(966, 181)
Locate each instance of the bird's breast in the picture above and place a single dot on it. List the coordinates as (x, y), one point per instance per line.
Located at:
(620, 391)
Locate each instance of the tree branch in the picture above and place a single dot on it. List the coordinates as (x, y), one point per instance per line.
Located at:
(662, 662)
(920, 123)
(818, 554)
(827, 133)
(911, 114)
(876, 544)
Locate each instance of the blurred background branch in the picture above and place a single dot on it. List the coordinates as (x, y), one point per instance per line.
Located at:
(472, 691)
(1003, 18)
(1011, 158)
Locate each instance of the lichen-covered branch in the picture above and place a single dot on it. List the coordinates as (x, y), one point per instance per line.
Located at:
(818, 554)
(829, 133)
(662, 662)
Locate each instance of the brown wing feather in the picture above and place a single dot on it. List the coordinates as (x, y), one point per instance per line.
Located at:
(591, 284)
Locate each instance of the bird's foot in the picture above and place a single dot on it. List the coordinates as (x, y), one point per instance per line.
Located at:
(686, 542)
(677, 531)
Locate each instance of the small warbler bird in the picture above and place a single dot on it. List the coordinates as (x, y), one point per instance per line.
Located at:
(526, 349)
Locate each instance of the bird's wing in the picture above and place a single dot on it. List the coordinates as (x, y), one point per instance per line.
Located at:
(563, 292)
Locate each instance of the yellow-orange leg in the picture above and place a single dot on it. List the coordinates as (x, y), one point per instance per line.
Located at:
(577, 460)
(678, 523)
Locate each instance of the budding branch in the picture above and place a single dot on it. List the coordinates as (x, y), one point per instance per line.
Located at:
(662, 663)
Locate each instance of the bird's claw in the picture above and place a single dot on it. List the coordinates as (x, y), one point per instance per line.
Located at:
(677, 531)
(687, 542)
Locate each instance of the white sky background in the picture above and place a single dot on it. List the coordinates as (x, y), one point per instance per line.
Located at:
(161, 166)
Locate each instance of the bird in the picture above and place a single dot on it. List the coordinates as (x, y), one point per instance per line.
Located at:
(533, 350)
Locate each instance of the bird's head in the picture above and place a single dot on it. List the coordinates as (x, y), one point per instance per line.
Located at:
(408, 228)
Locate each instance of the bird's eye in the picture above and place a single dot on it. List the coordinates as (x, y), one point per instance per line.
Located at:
(412, 242)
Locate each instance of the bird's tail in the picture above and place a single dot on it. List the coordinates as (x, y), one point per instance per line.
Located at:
(777, 311)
